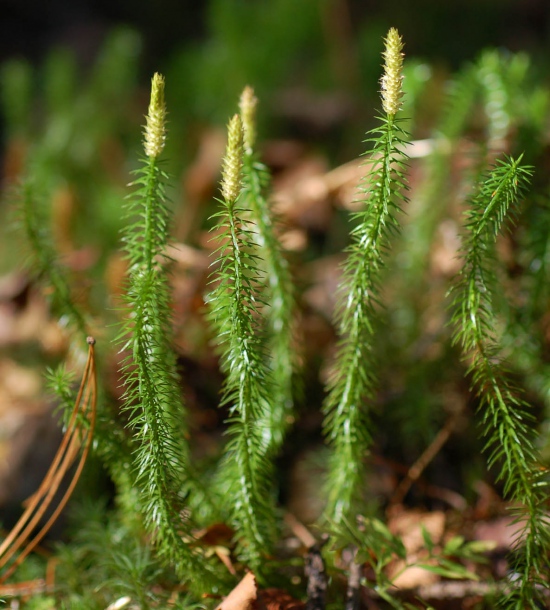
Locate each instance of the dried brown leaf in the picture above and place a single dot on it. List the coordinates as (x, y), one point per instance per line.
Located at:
(243, 596)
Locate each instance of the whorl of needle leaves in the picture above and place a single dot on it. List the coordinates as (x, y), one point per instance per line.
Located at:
(245, 472)
(507, 423)
(152, 395)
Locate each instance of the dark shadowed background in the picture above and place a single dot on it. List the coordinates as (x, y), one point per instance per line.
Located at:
(433, 29)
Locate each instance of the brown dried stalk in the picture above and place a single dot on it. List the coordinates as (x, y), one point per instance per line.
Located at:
(76, 437)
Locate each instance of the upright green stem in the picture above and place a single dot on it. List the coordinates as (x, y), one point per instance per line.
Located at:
(281, 344)
(245, 474)
(152, 397)
(352, 384)
(505, 416)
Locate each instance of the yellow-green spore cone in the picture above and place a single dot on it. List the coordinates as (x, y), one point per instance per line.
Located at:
(247, 106)
(233, 160)
(155, 127)
(392, 80)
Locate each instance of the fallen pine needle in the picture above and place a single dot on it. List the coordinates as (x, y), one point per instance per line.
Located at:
(76, 438)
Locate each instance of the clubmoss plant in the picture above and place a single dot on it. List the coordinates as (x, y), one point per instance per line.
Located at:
(507, 422)
(352, 384)
(245, 471)
(152, 396)
(279, 293)
(148, 548)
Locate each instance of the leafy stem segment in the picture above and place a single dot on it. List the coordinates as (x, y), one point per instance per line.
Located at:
(245, 472)
(280, 291)
(152, 395)
(352, 382)
(505, 418)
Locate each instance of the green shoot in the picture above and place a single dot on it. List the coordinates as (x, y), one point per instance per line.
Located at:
(280, 291)
(507, 422)
(245, 471)
(152, 395)
(352, 384)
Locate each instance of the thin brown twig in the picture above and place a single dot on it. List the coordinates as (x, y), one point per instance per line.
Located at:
(299, 530)
(27, 587)
(416, 470)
